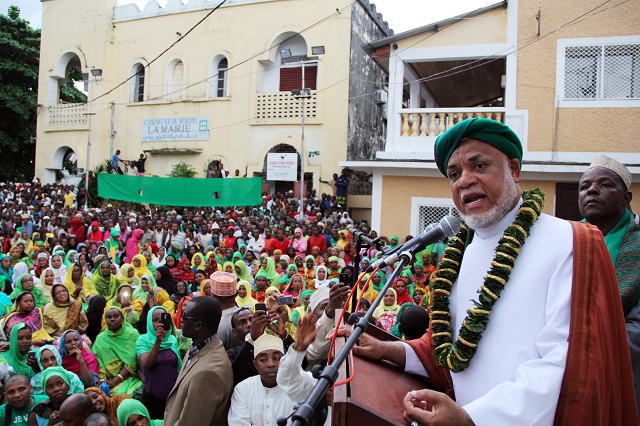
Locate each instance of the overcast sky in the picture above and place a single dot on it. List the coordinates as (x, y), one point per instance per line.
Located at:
(402, 15)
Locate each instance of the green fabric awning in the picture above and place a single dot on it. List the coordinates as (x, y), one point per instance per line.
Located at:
(186, 192)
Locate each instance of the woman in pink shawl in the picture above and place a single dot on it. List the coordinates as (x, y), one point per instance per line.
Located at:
(78, 359)
(133, 244)
(299, 243)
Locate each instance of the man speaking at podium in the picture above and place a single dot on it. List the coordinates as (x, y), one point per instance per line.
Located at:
(527, 324)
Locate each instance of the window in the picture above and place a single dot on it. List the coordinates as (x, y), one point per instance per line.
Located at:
(291, 77)
(426, 211)
(176, 77)
(138, 83)
(598, 74)
(221, 88)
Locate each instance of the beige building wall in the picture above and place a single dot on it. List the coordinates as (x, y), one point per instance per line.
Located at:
(569, 129)
(398, 191)
(241, 33)
(472, 30)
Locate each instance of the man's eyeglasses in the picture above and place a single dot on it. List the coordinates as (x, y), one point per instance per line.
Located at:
(187, 317)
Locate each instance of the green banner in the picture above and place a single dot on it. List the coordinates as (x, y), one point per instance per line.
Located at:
(185, 192)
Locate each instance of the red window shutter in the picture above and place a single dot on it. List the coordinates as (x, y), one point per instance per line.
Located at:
(291, 78)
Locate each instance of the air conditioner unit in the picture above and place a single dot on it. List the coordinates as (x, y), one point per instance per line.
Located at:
(381, 97)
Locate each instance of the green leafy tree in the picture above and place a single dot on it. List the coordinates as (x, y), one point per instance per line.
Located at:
(68, 91)
(19, 58)
(183, 170)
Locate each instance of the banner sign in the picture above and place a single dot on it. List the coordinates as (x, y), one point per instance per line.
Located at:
(188, 192)
(168, 129)
(282, 166)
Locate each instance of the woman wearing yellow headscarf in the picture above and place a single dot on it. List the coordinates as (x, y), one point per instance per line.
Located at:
(370, 294)
(244, 295)
(242, 271)
(344, 240)
(199, 265)
(125, 300)
(128, 276)
(229, 267)
(79, 286)
(140, 266)
(387, 313)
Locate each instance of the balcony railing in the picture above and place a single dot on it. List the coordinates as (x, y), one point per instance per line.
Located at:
(67, 116)
(285, 107)
(422, 122)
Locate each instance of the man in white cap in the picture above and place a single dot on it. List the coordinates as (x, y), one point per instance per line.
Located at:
(259, 400)
(603, 199)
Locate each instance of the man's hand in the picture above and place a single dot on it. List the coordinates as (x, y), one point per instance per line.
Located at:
(369, 347)
(429, 407)
(258, 323)
(277, 325)
(305, 332)
(337, 297)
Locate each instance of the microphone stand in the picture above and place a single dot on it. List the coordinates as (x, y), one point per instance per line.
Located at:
(362, 240)
(328, 375)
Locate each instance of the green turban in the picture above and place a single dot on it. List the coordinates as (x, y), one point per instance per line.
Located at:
(494, 133)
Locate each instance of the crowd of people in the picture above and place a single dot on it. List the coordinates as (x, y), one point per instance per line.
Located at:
(141, 315)
(110, 302)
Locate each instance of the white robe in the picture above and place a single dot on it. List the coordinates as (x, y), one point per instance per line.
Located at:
(254, 404)
(516, 373)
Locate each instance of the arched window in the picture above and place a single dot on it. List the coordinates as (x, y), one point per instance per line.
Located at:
(176, 80)
(137, 83)
(221, 74)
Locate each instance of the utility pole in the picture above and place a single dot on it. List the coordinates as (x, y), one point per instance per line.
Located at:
(112, 132)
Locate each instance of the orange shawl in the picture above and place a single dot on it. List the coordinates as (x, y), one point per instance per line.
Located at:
(597, 388)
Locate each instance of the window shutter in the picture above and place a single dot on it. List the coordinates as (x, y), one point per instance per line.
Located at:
(291, 78)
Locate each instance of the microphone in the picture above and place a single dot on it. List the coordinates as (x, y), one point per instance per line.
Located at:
(436, 232)
(359, 235)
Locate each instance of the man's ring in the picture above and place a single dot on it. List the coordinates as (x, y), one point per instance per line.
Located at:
(414, 423)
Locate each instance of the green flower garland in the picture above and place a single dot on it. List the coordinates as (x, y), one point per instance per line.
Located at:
(456, 356)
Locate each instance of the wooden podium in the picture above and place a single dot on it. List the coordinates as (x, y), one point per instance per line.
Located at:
(374, 397)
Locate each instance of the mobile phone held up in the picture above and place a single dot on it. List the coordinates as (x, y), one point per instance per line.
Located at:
(344, 278)
(165, 320)
(285, 300)
(31, 355)
(261, 307)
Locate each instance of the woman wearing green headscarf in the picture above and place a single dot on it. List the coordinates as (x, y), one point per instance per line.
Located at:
(57, 385)
(151, 295)
(112, 244)
(6, 269)
(48, 357)
(301, 310)
(148, 287)
(104, 281)
(393, 241)
(115, 349)
(290, 272)
(19, 346)
(131, 410)
(378, 280)
(160, 360)
(70, 258)
(242, 271)
(5, 302)
(25, 283)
